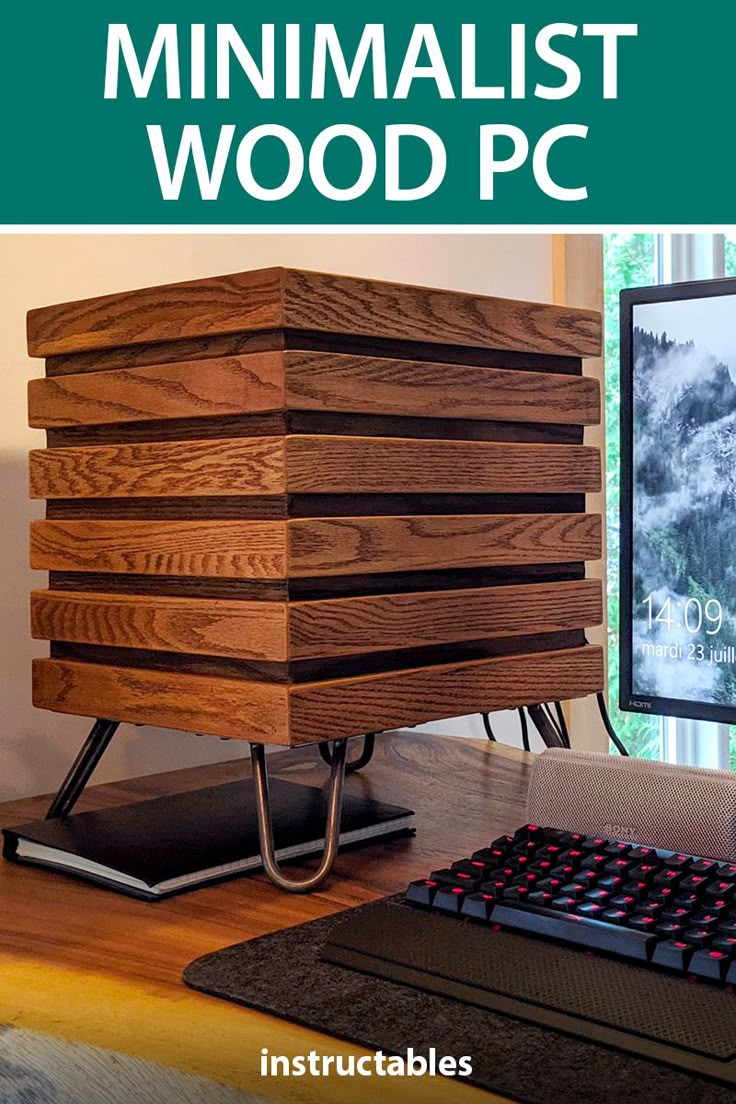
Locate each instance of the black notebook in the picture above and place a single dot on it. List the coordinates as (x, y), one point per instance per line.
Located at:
(152, 849)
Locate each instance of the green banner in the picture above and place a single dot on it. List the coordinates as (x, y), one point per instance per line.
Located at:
(420, 113)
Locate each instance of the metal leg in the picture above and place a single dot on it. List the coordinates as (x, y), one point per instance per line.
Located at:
(73, 785)
(332, 828)
(369, 745)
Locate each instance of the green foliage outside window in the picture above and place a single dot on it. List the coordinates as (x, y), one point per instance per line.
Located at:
(629, 262)
(730, 256)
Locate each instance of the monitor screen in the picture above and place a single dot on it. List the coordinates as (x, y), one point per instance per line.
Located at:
(678, 521)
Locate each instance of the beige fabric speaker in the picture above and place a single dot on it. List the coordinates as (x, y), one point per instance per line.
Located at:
(685, 809)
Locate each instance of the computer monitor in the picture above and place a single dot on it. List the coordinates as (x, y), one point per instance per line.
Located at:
(678, 500)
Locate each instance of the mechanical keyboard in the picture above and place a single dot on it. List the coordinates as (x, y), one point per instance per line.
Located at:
(660, 909)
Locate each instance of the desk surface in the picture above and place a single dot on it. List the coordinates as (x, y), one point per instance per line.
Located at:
(87, 964)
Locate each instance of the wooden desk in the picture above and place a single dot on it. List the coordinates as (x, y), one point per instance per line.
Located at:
(88, 964)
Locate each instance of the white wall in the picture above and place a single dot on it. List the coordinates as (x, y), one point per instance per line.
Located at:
(36, 270)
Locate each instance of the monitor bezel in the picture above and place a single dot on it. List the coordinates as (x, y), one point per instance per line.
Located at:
(628, 701)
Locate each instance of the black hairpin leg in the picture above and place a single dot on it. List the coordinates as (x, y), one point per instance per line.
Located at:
(369, 744)
(73, 785)
(332, 828)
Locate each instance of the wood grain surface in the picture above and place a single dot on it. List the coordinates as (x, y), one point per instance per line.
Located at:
(185, 389)
(204, 626)
(312, 546)
(311, 465)
(376, 385)
(278, 631)
(238, 708)
(379, 702)
(276, 298)
(171, 469)
(310, 380)
(242, 302)
(369, 465)
(227, 549)
(382, 621)
(340, 304)
(61, 937)
(264, 712)
(346, 546)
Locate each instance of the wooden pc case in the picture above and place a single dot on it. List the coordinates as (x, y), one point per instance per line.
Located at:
(290, 507)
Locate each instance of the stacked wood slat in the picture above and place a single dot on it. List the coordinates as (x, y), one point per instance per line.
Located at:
(287, 507)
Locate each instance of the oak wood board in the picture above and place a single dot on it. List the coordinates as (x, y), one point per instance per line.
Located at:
(171, 469)
(310, 380)
(211, 388)
(279, 631)
(376, 622)
(236, 708)
(306, 547)
(205, 626)
(271, 713)
(217, 549)
(369, 465)
(278, 298)
(379, 702)
(347, 546)
(307, 464)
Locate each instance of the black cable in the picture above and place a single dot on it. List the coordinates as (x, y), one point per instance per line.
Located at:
(615, 739)
(487, 727)
(524, 730)
(362, 760)
(553, 722)
(551, 737)
(562, 723)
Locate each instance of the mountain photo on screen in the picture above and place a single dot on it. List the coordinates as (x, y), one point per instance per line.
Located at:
(684, 500)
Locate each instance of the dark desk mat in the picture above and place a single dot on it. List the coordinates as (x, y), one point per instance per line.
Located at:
(282, 974)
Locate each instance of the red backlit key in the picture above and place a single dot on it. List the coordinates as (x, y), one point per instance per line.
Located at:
(422, 892)
(492, 856)
(642, 923)
(672, 953)
(614, 916)
(678, 862)
(594, 843)
(564, 904)
(704, 866)
(623, 901)
(711, 964)
(590, 909)
(516, 893)
(719, 889)
(678, 913)
(669, 929)
(697, 937)
(458, 878)
(472, 867)
(477, 906)
(450, 899)
(493, 888)
(643, 854)
(725, 943)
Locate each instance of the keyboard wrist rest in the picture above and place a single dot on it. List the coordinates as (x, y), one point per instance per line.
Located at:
(614, 1003)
